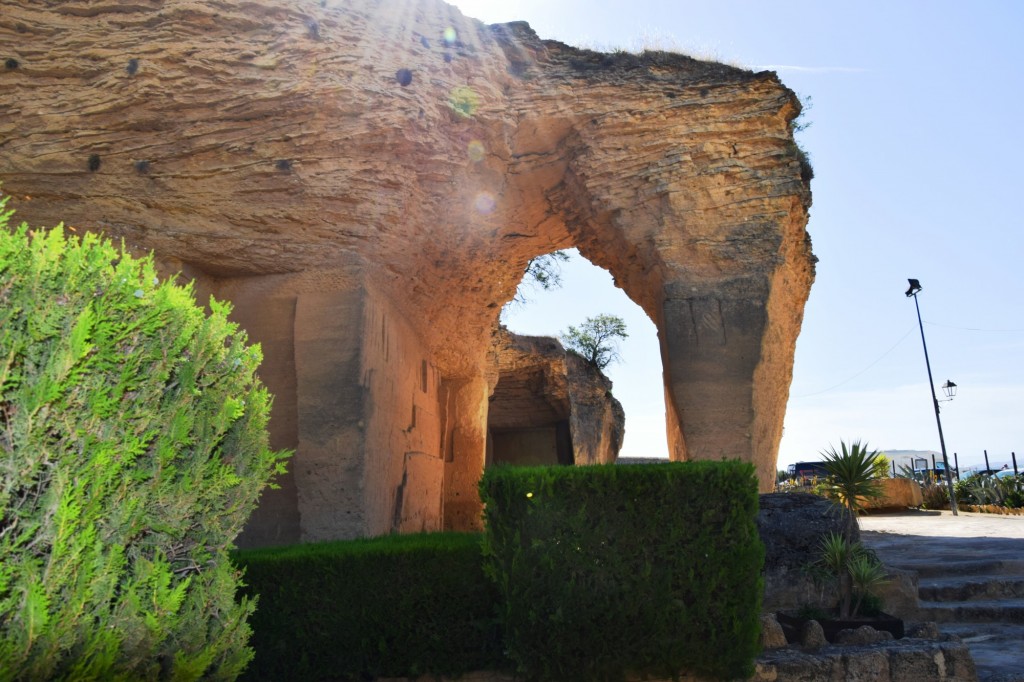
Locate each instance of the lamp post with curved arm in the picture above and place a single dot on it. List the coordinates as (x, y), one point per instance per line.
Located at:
(949, 388)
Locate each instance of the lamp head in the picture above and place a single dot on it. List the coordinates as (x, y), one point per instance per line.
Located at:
(915, 287)
(949, 388)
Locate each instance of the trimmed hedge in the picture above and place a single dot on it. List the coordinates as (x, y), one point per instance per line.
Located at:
(133, 447)
(395, 606)
(610, 570)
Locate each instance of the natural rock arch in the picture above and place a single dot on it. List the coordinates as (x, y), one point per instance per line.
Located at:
(366, 183)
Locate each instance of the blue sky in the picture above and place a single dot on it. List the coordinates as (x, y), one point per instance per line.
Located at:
(917, 146)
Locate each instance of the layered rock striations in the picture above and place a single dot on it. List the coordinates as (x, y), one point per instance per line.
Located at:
(366, 181)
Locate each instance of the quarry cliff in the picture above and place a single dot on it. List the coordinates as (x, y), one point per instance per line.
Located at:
(366, 182)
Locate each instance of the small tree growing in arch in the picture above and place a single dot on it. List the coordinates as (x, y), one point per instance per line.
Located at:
(597, 339)
(544, 273)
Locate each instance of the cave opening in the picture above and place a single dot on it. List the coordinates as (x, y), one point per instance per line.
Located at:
(528, 416)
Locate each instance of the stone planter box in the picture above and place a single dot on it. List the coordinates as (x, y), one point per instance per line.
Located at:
(833, 626)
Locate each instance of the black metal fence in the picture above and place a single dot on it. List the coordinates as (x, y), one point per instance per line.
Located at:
(937, 471)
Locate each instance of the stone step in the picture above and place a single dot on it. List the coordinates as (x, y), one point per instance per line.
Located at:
(941, 569)
(995, 648)
(970, 588)
(981, 611)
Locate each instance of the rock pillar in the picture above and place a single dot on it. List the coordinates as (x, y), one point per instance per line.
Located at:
(464, 444)
(711, 349)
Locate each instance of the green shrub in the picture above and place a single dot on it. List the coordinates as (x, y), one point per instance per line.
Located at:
(852, 570)
(1013, 490)
(396, 606)
(606, 571)
(935, 496)
(133, 447)
(990, 490)
(962, 489)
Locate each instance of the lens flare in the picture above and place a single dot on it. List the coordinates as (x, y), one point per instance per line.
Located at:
(464, 101)
(476, 151)
(450, 35)
(485, 203)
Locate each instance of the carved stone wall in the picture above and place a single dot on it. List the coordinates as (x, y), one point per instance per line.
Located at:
(367, 180)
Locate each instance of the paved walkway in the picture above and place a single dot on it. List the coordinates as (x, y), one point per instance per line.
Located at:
(955, 543)
(944, 524)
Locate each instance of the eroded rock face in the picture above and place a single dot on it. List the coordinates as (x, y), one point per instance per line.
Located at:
(367, 180)
(549, 406)
(792, 527)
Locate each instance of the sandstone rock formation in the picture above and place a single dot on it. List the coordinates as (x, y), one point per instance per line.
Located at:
(811, 636)
(897, 493)
(549, 406)
(366, 181)
(862, 636)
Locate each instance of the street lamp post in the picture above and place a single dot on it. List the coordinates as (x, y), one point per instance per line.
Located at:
(949, 388)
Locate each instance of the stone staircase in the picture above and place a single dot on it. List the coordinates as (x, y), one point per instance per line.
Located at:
(971, 591)
(970, 587)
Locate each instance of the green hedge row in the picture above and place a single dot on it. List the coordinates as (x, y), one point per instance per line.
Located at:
(610, 570)
(594, 573)
(386, 607)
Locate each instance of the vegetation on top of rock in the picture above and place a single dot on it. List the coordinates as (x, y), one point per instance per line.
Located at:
(596, 340)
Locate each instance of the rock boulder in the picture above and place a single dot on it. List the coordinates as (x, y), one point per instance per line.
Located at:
(792, 526)
(550, 406)
(897, 493)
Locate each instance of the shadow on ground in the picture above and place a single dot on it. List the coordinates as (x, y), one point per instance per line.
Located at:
(970, 572)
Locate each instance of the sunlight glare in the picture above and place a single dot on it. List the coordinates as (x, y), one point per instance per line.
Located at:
(476, 151)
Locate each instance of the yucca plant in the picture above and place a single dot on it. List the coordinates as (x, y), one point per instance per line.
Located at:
(867, 574)
(836, 552)
(855, 571)
(853, 481)
(852, 472)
